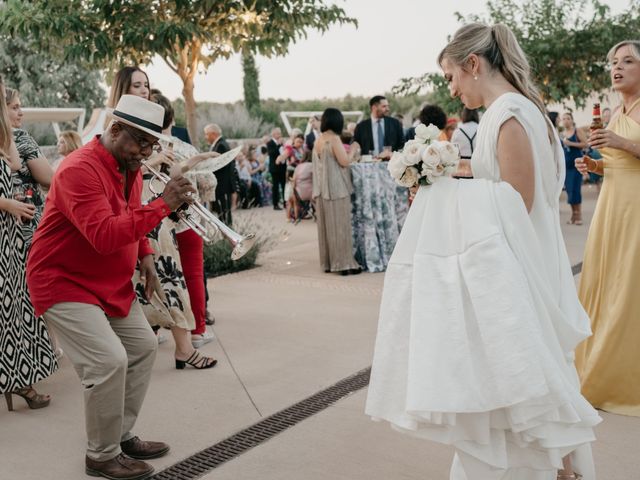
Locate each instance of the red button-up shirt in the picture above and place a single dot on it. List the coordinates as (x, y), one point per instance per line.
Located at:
(90, 237)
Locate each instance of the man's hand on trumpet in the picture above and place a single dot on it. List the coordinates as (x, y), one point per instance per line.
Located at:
(164, 157)
(178, 191)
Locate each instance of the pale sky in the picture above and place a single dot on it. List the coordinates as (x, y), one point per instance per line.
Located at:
(394, 39)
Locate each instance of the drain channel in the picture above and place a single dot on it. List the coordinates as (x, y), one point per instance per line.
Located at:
(210, 458)
(576, 269)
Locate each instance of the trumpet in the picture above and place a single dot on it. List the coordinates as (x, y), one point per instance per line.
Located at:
(188, 213)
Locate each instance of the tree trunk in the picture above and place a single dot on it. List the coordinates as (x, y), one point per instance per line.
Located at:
(190, 110)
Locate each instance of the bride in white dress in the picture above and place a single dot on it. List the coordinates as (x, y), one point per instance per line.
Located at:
(479, 316)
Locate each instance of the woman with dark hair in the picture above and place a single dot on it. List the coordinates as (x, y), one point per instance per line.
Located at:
(129, 80)
(429, 115)
(332, 194)
(171, 306)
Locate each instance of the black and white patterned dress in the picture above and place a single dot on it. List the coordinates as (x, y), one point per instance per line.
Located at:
(23, 179)
(26, 355)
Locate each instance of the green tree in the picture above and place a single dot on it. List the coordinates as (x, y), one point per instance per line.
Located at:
(438, 91)
(251, 83)
(44, 80)
(189, 35)
(566, 42)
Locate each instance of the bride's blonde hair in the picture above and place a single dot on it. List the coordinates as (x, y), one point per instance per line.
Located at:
(499, 47)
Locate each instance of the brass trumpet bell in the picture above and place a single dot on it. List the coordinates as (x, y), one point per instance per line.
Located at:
(207, 222)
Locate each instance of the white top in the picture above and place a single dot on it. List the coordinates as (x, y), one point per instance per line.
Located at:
(243, 172)
(459, 138)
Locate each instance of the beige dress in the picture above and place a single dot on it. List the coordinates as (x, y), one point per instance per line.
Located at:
(170, 305)
(332, 193)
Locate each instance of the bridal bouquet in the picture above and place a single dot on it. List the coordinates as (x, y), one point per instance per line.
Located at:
(423, 159)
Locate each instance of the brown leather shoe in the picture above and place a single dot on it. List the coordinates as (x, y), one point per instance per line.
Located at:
(141, 450)
(118, 468)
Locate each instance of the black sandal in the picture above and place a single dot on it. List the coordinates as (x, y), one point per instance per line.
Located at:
(197, 361)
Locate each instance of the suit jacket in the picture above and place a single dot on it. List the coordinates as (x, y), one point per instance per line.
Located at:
(226, 175)
(273, 149)
(181, 133)
(393, 135)
(310, 140)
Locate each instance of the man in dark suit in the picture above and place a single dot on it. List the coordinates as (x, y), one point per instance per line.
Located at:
(310, 140)
(226, 176)
(379, 131)
(278, 171)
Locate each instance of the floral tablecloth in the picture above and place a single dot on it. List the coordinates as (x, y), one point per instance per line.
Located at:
(379, 210)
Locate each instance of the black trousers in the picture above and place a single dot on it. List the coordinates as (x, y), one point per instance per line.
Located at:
(279, 178)
(222, 206)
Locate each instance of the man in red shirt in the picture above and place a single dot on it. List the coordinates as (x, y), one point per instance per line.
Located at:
(79, 272)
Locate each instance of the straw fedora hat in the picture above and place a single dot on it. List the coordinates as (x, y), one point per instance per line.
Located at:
(141, 114)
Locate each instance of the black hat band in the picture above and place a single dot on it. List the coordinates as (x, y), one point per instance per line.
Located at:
(138, 121)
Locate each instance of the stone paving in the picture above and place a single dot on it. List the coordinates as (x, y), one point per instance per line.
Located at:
(285, 331)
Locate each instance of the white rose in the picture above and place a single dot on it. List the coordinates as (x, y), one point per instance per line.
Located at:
(431, 171)
(425, 133)
(411, 153)
(431, 156)
(396, 166)
(410, 177)
(438, 171)
(448, 153)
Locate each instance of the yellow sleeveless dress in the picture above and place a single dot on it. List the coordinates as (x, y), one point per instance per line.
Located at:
(609, 362)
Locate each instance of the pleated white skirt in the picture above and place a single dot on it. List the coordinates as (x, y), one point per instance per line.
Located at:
(473, 350)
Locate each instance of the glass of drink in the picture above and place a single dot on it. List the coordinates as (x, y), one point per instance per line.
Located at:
(18, 193)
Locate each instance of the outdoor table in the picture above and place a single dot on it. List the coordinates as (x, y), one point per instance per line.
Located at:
(379, 208)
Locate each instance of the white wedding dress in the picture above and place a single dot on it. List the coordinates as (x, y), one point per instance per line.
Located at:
(479, 319)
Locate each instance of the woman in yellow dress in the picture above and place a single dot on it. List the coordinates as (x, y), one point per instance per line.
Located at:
(609, 361)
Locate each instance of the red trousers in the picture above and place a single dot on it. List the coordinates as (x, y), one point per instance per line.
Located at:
(190, 246)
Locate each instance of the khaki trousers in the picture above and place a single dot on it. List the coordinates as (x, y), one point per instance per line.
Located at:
(113, 358)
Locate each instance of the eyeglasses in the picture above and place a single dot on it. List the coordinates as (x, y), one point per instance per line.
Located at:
(143, 143)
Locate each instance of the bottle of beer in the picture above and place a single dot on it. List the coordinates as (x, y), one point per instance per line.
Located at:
(28, 199)
(596, 121)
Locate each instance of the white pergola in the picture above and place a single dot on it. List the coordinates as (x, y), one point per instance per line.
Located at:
(55, 116)
(285, 116)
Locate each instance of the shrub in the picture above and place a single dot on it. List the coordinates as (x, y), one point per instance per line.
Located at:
(217, 255)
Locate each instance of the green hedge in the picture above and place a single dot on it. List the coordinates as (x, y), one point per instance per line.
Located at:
(217, 255)
(217, 259)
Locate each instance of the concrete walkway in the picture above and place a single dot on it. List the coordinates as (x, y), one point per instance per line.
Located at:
(285, 331)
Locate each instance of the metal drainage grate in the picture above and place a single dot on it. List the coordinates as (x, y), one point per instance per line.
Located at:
(576, 269)
(237, 444)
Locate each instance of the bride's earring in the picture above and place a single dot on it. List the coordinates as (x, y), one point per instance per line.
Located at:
(475, 77)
